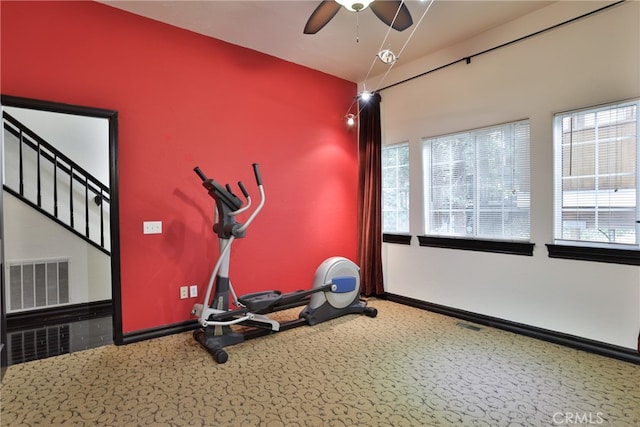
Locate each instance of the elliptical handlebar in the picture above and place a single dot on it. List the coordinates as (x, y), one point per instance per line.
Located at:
(201, 174)
(243, 189)
(225, 194)
(256, 172)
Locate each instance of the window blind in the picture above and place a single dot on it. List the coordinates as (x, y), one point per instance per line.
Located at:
(596, 174)
(395, 188)
(477, 183)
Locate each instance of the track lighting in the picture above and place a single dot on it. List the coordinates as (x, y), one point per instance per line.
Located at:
(351, 119)
(386, 56)
(364, 95)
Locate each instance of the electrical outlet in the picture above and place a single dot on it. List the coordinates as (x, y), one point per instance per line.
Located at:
(184, 292)
(193, 291)
(152, 227)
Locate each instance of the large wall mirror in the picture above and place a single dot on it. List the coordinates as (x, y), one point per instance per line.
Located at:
(60, 234)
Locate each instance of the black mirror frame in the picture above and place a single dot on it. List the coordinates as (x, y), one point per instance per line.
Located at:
(112, 117)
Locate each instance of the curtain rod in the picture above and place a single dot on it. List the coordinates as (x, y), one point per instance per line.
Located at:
(467, 59)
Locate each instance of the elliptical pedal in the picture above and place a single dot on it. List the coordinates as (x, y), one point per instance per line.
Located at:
(259, 301)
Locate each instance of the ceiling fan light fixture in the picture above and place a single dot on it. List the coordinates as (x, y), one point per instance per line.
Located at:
(354, 6)
(393, 13)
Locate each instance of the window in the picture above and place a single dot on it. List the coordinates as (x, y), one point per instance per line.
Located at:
(596, 175)
(395, 188)
(477, 183)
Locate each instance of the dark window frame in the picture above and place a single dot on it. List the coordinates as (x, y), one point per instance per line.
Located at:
(479, 245)
(400, 239)
(593, 253)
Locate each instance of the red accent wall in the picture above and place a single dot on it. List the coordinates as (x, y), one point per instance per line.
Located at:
(185, 100)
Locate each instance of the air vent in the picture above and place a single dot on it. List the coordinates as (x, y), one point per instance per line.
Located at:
(38, 284)
(468, 326)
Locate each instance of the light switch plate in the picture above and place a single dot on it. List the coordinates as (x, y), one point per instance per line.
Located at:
(152, 227)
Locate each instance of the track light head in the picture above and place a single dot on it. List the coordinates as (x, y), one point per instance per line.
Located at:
(351, 119)
(365, 95)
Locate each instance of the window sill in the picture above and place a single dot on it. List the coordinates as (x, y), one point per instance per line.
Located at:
(401, 239)
(512, 248)
(585, 253)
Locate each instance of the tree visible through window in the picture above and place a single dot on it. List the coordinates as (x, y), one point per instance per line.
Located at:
(477, 183)
(596, 175)
(395, 188)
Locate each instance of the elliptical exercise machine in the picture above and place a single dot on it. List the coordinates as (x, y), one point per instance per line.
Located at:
(335, 291)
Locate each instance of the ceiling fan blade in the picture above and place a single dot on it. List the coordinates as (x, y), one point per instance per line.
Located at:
(321, 16)
(386, 10)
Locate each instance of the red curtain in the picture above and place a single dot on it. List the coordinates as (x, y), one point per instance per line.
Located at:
(370, 197)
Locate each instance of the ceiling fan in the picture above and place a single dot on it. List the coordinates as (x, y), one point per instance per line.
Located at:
(384, 10)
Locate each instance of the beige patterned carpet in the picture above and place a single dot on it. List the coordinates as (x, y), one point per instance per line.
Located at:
(407, 367)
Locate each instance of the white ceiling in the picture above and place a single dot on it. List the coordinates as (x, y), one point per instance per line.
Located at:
(346, 47)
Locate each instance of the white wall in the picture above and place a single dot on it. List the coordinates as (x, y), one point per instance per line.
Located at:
(84, 139)
(34, 237)
(588, 62)
(99, 215)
